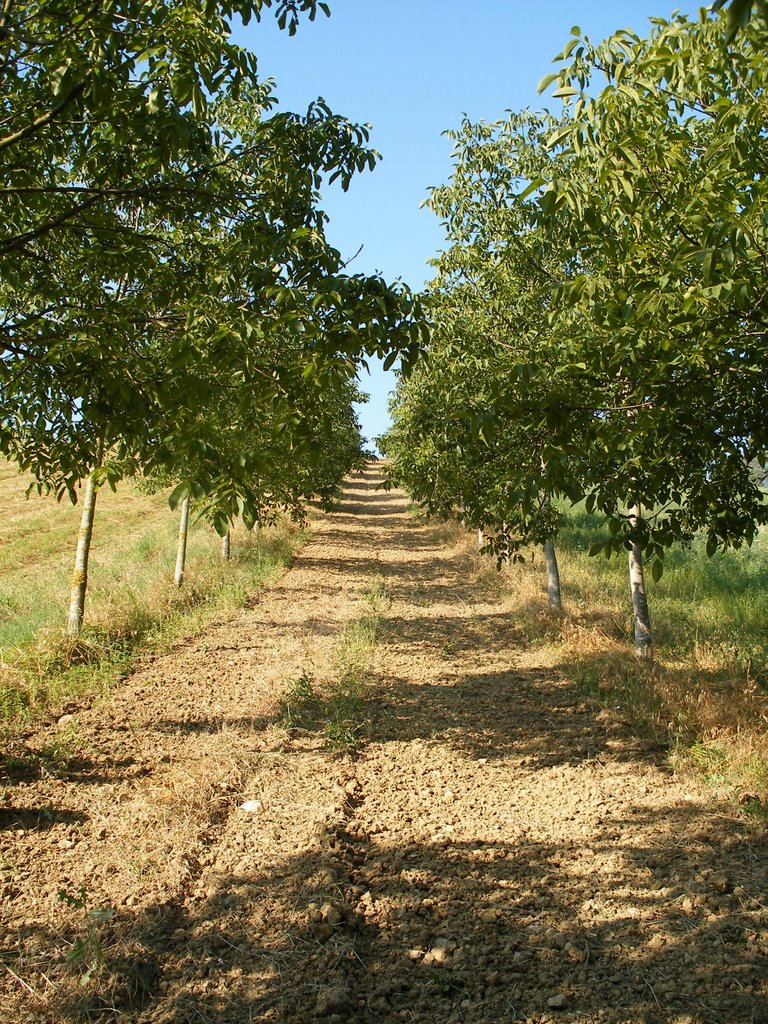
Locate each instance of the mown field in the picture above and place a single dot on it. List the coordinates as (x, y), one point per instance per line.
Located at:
(132, 605)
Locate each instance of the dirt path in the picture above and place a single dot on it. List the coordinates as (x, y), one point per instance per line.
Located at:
(497, 850)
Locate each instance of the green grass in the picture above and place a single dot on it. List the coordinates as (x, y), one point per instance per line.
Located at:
(132, 605)
(714, 610)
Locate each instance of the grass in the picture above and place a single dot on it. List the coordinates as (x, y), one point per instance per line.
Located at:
(713, 610)
(706, 697)
(132, 606)
(87, 956)
(338, 710)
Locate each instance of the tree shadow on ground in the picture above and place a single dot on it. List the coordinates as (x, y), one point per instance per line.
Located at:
(361, 931)
(497, 715)
(661, 919)
(37, 819)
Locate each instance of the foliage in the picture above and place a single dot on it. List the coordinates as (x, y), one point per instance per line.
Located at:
(452, 443)
(739, 13)
(600, 313)
(86, 954)
(164, 259)
(664, 200)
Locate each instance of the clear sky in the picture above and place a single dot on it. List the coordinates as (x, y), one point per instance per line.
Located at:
(412, 69)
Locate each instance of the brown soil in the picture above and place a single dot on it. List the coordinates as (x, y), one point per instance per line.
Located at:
(496, 850)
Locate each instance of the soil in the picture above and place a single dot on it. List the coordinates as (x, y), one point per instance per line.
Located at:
(496, 848)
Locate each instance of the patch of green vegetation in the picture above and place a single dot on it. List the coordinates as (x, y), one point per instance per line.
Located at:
(378, 596)
(336, 712)
(87, 955)
(299, 707)
(712, 609)
(339, 710)
(741, 776)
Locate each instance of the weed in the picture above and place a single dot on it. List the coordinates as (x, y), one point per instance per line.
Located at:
(299, 706)
(378, 596)
(345, 716)
(86, 954)
(445, 984)
(338, 711)
(342, 732)
(739, 773)
(754, 808)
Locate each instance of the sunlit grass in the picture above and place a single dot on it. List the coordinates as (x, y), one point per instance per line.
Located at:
(710, 608)
(708, 691)
(132, 606)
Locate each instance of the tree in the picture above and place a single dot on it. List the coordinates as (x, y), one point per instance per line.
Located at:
(739, 13)
(664, 201)
(164, 246)
(452, 441)
(607, 278)
(134, 197)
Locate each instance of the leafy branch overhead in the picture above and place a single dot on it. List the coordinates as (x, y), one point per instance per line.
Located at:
(600, 309)
(163, 255)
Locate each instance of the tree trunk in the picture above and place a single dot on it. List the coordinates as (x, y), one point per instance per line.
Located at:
(480, 537)
(553, 576)
(257, 531)
(80, 572)
(640, 613)
(226, 547)
(181, 546)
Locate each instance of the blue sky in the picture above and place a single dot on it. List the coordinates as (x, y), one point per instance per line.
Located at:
(412, 69)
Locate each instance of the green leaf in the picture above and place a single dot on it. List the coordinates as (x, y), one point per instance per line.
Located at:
(546, 81)
(531, 187)
(178, 494)
(221, 523)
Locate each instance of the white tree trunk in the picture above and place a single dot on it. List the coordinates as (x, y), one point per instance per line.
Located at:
(80, 572)
(181, 546)
(480, 537)
(553, 576)
(226, 547)
(640, 614)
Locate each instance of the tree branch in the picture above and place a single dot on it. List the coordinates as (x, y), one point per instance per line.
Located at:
(44, 119)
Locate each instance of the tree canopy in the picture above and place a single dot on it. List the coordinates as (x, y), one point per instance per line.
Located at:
(162, 242)
(604, 291)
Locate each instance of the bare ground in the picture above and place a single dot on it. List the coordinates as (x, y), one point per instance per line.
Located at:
(497, 850)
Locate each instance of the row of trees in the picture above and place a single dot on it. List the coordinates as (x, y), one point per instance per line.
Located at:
(169, 304)
(601, 313)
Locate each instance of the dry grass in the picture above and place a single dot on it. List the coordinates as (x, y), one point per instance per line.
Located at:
(706, 698)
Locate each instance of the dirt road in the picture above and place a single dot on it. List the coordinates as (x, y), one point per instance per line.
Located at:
(497, 849)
